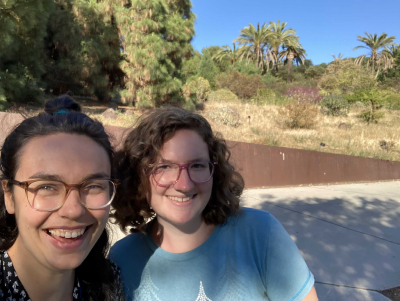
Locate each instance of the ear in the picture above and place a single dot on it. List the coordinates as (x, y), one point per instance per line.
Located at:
(8, 198)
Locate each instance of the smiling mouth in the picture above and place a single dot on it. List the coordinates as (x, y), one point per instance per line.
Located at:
(70, 234)
(180, 200)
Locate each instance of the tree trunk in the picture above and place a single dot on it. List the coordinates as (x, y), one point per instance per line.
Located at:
(275, 52)
(290, 58)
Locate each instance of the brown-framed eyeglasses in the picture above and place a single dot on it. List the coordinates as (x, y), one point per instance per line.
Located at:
(50, 195)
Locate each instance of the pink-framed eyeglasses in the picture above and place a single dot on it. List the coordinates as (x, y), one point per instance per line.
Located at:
(167, 174)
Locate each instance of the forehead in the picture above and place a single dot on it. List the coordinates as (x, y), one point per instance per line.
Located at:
(184, 146)
(66, 155)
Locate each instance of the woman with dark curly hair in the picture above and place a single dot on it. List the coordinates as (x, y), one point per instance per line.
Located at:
(57, 186)
(190, 238)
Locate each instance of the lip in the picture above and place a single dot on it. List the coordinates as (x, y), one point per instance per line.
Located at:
(67, 243)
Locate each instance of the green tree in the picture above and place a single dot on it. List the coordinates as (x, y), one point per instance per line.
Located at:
(292, 52)
(207, 69)
(254, 43)
(155, 37)
(83, 48)
(372, 97)
(226, 53)
(190, 66)
(315, 71)
(343, 76)
(374, 44)
(222, 65)
(23, 28)
(279, 36)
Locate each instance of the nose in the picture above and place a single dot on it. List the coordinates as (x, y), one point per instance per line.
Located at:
(72, 207)
(184, 182)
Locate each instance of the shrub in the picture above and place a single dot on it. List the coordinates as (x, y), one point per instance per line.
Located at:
(203, 89)
(269, 78)
(207, 69)
(314, 71)
(299, 115)
(225, 115)
(222, 95)
(144, 104)
(264, 96)
(334, 105)
(3, 100)
(244, 86)
(374, 99)
(305, 95)
(393, 102)
(343, 76)
(189, 91)
(371, 116)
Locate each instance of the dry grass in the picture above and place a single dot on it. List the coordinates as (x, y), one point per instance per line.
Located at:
(359, 139)
(264, 127)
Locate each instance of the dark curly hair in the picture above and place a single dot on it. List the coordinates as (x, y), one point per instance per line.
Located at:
(61, 115)
(142, 147)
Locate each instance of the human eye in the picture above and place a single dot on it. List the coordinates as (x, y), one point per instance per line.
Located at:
(95, 187)
(163, 167)
(45, 188)
(198, 165)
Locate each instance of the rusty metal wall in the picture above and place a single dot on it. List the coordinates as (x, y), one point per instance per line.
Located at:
(263, 166)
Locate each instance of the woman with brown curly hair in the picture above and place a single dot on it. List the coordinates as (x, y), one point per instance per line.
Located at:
(190, 238)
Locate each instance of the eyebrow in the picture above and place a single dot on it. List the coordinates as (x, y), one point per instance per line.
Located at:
(52, 177)
(162, 160)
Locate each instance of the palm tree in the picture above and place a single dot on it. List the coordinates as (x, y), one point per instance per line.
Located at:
(227, 53)
(392, 53)
(292, 52)
(254, 41)
(280, 36)
(375, 44)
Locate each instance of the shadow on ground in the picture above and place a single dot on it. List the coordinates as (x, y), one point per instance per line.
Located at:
(351, 241)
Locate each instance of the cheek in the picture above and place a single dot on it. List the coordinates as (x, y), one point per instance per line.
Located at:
(155, 192)
(101, 215)
(29, 219)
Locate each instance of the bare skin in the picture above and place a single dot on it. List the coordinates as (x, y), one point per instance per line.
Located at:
(312, 295)
(173, 240)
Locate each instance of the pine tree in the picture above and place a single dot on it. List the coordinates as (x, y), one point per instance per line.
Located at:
(83, 48)
(155, 36)
(23, 27)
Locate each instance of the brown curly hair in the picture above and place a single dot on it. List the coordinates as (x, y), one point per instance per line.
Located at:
(141, 149)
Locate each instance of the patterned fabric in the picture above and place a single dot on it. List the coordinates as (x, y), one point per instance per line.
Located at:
(251, 257)
(11, 288)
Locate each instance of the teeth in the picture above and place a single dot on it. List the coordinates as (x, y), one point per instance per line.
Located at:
(67, 234)
(181, 200)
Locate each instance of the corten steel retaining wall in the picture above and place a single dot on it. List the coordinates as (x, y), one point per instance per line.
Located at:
(263, 166)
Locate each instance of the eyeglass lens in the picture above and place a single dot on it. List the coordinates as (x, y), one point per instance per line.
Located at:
(168, 173)
(48, 195)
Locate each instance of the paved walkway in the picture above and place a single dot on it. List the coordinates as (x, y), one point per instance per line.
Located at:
(348, 234)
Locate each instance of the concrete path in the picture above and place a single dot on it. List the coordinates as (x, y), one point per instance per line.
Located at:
(348, 234)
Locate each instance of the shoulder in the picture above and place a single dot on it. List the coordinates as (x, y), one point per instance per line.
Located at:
(130, 247)
(252, 220)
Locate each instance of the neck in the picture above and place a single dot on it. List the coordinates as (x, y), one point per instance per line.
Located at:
(40, 282)
(180, 238)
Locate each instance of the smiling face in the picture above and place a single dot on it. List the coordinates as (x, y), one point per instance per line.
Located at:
(182, 204)
(58, 240)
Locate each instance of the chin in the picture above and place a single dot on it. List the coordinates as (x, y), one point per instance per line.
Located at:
(67, 262)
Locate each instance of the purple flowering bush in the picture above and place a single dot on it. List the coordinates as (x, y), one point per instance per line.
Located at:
(305, 95)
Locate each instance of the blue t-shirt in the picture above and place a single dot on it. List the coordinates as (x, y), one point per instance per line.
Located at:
(251, 257)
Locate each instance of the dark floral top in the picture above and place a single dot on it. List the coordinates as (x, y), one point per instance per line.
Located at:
(11, 288)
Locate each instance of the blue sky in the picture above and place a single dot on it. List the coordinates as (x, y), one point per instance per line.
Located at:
(324, 27)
